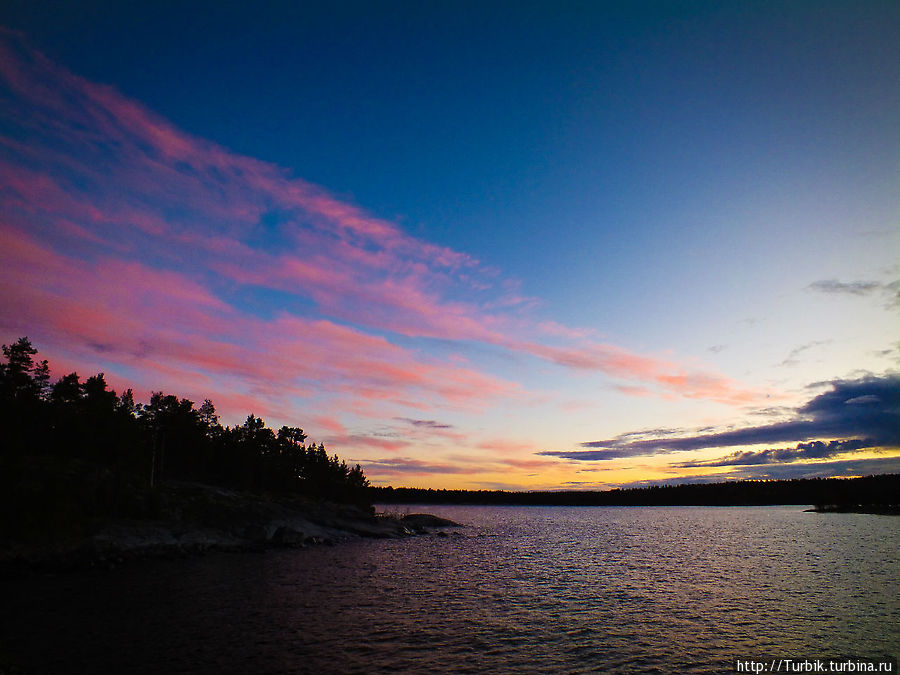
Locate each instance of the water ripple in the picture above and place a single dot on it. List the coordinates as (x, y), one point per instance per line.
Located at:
(521, 590)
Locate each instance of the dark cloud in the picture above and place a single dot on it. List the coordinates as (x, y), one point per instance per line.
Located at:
(647, 433)
(628, 439)
(846, 288)
(860, 288)
(865, 410)
(811, 450)
(823, 469)
(424, 424)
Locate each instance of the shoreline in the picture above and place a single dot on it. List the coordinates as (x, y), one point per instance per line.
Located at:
(196, 519)
(873, 509)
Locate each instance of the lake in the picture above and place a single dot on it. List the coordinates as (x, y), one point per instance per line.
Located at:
(519, 589)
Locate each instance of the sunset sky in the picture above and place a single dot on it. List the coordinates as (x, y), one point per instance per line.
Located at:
(523, 245)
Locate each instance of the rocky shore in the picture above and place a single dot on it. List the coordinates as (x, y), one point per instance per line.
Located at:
(876, 509)
(194, 519)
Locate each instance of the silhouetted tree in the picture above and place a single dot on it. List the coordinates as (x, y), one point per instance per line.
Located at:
(18, 381)
(22, 383)
(356, 479)
(177, 437)
(166, 438)
(67, 390)
(208, 416)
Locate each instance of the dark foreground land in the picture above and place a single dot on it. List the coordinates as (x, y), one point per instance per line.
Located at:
(90, 476)
(870, 494)
(57, 522)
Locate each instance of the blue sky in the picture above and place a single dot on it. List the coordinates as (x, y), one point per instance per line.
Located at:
(710, 187)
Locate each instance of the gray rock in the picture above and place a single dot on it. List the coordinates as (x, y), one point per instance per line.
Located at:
(255, 534)
(423, 520)
(285, 536)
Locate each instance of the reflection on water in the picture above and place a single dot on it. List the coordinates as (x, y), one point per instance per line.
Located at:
(521, 589)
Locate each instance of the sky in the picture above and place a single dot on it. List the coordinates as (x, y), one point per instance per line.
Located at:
(517, 245)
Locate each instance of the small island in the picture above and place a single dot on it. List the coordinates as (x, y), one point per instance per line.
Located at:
(877, 509)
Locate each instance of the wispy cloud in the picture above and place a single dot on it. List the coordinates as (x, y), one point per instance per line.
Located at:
(862, 413)
(813, 469)
(452, 465)
(424, 424)
(407, 465)
(890, 290)
(129, 241)
(792, 358)
(824, 469)
(160, 321)
(802, 451)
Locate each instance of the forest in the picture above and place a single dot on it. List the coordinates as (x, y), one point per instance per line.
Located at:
(879, 492)
(74, 429)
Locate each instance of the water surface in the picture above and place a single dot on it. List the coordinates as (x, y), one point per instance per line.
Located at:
(520, 589)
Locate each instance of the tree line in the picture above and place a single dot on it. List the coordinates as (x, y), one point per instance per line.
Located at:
(865, 490)
(167, 438)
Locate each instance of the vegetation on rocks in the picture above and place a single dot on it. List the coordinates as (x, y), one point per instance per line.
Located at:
(77, 458)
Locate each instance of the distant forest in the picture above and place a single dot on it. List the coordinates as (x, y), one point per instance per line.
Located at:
(868, 490)
(87, 431)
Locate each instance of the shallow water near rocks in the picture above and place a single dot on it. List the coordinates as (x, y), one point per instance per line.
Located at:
(519, 589)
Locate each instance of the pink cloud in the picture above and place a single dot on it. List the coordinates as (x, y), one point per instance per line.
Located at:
(506, 446)
(396, 468)
(635, 391)
(408, 466)
(530, 464)
(557, 329)
(164, 323)
(362, 442)
(329, 423)
(126, 238)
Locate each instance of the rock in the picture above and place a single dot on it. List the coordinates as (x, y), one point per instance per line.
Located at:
(285, 536)
(190, 519)
(255, 535)
(423, 520)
